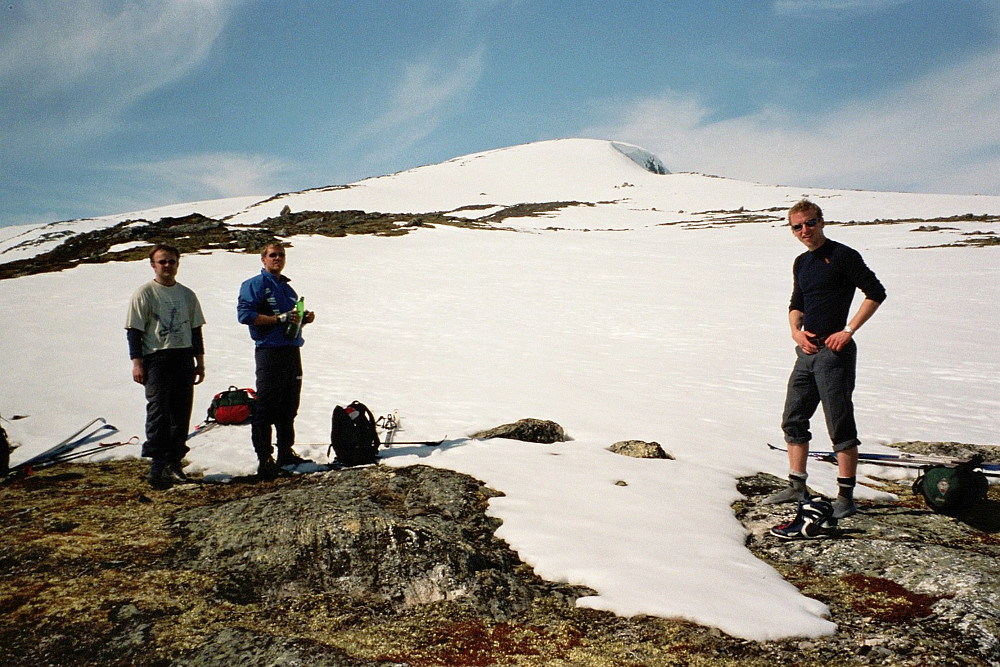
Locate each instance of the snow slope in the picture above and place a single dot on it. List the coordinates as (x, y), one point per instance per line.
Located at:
(668, 332)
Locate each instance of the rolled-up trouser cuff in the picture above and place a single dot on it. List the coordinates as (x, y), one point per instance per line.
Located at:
(847, 444)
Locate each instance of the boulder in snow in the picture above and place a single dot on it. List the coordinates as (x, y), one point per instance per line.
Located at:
(640, 449)
(526, 430)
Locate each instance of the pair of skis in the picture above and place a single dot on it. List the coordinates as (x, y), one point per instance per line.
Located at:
(903, 460)
(390, 424)
(84, 442)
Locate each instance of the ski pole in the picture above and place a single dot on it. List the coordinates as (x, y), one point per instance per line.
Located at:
(431, 443)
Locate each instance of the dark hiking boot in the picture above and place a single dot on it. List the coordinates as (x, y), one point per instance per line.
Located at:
(267, 469)
(157, 477)
(175, 473)
(287, 457)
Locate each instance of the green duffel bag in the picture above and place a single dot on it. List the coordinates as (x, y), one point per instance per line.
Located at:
(952, 489)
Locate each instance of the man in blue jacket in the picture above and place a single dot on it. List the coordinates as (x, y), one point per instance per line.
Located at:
(267, 306)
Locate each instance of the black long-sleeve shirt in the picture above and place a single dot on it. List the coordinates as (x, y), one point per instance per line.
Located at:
(824, 284)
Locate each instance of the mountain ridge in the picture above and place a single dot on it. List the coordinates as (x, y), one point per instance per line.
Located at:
(619, 192)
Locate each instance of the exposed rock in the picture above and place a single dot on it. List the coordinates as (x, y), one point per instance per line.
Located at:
(640, 449)
(196, 232)
(236, 646)
(957, 450)
(97, 568)
(191, 225)
(526, 430)
(373, 537)
(928, 579)
(932, 228)
(531, 210)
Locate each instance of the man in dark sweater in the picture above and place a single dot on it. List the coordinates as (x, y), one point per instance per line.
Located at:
(825, 280)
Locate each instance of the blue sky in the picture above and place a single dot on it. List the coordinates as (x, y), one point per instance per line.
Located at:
(107, 107)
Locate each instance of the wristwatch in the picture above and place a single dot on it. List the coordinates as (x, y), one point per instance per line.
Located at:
(848, 329)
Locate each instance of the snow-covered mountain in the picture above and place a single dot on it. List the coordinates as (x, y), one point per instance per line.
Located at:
(608, 181)
(649, 306)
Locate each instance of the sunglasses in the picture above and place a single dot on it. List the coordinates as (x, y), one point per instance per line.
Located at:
(166, 262)
(807, 223)
(275, 255)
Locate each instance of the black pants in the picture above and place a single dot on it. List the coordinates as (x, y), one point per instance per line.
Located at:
(169, 396)
(279, 384)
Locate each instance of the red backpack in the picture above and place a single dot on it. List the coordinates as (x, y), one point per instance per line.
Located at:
(233, 406)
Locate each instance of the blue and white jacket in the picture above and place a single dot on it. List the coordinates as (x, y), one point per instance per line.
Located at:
(267, 295)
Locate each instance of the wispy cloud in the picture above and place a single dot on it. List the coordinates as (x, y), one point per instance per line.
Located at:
(427, 94)
(424, 94)
(70, 68)
(799, 7)
(207, 175)
(938, 134)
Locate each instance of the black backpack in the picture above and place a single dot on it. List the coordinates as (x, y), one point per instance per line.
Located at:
(353, 436)
(952, 489)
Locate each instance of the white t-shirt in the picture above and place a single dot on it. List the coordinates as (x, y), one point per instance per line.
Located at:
(165, 315)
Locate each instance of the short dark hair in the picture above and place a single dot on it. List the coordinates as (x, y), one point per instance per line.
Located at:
(806, 206)
(165, 248)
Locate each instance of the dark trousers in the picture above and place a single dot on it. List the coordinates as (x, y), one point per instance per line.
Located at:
(169, 397)
(826, 377)
(279, 384)
(4, 452)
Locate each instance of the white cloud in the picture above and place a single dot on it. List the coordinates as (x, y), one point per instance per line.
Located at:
(939, 134)
(203, 176)
(70, 68)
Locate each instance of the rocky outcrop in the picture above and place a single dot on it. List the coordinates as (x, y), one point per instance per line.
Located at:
(917, 587)
(197, 233)
(640, 449)
(374, 537)
(526, 430)
(385, 566)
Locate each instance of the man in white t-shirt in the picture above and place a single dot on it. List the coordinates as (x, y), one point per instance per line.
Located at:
(168, 358)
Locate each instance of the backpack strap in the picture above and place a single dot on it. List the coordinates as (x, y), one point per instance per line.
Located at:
(371, 421)
(362, 408)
